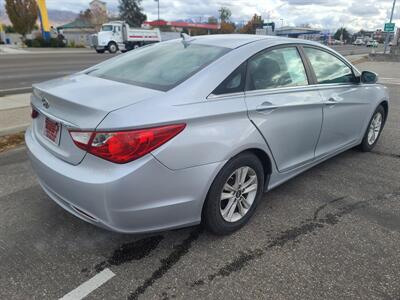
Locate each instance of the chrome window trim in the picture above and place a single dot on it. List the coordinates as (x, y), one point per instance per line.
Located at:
(223, 96)
(297, 88)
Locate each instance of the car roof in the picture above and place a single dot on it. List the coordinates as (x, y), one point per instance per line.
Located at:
(238, 40)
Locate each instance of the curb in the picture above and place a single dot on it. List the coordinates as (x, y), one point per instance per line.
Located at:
(15, 91)
(13, 130)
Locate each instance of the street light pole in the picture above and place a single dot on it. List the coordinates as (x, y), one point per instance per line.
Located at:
(158, 9)
(388, 33)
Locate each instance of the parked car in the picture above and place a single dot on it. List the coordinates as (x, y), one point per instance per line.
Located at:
(184, 132)
(336, 42)
(372, 43)
(358, 42)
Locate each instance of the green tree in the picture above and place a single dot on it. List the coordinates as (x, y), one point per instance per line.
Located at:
(8, 29)
(131, 12)
(22, 14)
(339, 32)
(224, 14)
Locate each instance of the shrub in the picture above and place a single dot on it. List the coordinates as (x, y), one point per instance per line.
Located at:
(41, 42)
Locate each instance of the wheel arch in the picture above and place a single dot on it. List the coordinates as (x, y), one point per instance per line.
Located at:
(385, 105)
(265, 160)
(112, 42)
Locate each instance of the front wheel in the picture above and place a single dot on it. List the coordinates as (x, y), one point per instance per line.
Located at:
(234, 194)
(112, 48)
(374, 130)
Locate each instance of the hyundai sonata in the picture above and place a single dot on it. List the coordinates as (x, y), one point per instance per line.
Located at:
(196, 130)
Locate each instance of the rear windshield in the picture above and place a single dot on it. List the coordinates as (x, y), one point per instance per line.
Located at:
(160, 66)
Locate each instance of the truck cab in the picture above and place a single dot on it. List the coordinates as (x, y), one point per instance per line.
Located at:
(110, 38)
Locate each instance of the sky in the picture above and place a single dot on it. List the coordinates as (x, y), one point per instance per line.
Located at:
(327, 14)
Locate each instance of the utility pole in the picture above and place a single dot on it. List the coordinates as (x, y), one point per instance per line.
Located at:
(388, 33)
(158, 9)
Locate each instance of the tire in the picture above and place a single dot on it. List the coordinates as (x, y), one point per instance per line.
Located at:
(112, 47)
(368, 143)
(100, 50)
(214, 207)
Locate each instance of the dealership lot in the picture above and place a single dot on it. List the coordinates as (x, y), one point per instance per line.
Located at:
(332, 232)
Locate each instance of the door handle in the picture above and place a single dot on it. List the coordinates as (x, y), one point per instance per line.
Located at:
(266, 106)
(331, 101)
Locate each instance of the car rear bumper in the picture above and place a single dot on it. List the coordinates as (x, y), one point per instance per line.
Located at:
(141, 196)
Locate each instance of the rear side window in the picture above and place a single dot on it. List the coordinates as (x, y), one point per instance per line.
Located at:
(161, 66)
(328, 68)
(234, 83)
(276, 68)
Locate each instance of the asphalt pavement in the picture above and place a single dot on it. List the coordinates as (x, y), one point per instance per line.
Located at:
(332, 232)
(19, 71)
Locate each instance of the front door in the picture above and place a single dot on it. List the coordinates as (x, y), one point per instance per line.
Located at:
(345, 101)
(284, 108)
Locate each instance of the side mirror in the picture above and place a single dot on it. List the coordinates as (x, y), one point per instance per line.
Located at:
(369, 77)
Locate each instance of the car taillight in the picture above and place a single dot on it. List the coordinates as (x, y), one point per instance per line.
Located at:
(125, 146)
(34, 113)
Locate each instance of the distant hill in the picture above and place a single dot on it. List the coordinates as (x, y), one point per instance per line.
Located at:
(57, 17)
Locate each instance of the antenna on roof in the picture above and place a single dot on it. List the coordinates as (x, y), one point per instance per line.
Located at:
(186, 39)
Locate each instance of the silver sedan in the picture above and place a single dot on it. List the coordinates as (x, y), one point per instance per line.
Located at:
(196, 130)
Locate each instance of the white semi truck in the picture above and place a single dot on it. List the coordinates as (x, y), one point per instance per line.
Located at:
(118, 35)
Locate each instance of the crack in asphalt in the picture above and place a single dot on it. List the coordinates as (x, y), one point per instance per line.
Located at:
(289, 235)
(386, 154)
(128, 252)
(319, 209)
(167, 263)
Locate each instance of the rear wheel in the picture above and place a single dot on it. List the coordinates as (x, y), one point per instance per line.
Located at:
(100, 50)
(374, 130)
(234, 194)
(112, 47)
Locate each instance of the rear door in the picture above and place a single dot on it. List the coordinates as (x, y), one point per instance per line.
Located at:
(346, 104)
(286, 110)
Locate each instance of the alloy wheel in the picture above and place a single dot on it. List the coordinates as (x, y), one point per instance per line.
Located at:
(374, 128)
(238, 194)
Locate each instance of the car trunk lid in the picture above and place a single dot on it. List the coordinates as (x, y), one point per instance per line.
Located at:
(80, 102)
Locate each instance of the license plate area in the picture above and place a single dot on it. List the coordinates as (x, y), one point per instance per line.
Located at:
(52, 130)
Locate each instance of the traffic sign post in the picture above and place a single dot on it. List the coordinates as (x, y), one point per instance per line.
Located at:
(389, 27)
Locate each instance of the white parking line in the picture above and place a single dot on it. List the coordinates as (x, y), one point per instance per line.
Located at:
(89, 286)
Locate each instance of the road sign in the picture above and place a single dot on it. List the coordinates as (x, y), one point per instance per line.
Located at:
(389, 27)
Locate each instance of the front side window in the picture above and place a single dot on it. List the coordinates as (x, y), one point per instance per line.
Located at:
(328, 68)
(277, 68)
(161, 66)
